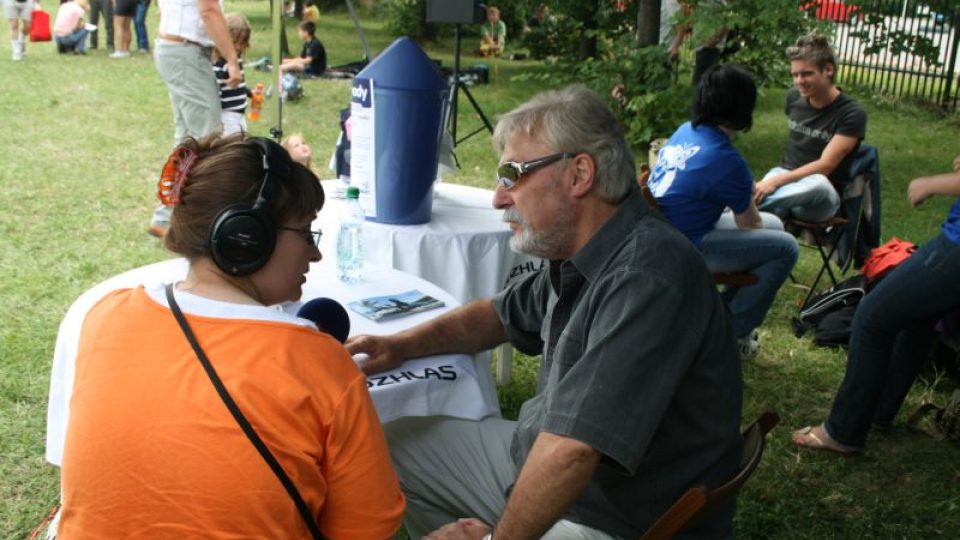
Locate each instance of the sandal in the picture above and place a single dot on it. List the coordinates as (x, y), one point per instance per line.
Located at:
(817, 438)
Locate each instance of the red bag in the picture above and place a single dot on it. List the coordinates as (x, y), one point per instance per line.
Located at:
(40, 26)
(886, 257)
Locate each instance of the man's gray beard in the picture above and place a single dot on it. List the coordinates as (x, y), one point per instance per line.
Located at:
(545, 245)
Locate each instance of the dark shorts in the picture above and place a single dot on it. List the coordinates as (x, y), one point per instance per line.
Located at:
(124, 8)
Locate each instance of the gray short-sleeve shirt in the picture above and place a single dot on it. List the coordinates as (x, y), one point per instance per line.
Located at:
(638, 361)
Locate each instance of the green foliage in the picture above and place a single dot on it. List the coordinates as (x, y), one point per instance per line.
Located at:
(555, 37)
(761, 30)
(638, 82)
(408, 18)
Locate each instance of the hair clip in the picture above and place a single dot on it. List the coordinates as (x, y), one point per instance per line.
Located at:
(174, 174)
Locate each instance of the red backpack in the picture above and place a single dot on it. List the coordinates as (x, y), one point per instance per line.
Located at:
(885, 258)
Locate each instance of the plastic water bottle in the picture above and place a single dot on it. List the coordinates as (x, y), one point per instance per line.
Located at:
(350, 238)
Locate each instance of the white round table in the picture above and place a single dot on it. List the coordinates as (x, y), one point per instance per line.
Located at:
(464, 248)
(452, 385)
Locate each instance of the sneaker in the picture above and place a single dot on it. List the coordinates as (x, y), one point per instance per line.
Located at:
(120, 54)
(17, 51)
(749, 346)
(158, 229)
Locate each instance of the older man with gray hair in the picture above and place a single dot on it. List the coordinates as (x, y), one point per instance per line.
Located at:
(639, 390)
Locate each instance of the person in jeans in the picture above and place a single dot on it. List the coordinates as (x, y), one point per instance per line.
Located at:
(106, 8)
(699, 174)
(640, 387)
(140, 25)
(69, 29)
(892, 323)
(826, 126)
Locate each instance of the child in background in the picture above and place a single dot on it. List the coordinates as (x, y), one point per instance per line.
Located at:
(233, 101)
(493, 34)
(313, 57)
(298, 148)
(311, 12)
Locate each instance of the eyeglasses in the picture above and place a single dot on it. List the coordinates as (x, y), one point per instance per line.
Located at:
(509, 172)
(311, 237)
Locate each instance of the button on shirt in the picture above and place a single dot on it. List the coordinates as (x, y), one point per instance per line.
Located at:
(639, 362)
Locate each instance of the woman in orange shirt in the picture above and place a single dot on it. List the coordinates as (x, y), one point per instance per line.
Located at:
(152, 451)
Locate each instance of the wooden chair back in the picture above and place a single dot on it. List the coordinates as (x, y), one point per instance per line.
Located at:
(698, 501)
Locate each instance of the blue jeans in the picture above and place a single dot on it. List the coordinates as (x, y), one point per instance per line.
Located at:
(140, 25)
(76, 40)
(768, 253)
(811, 198)
(892, 325)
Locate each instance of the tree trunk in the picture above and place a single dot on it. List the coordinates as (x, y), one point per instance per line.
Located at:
(648, 23)
(588, 38)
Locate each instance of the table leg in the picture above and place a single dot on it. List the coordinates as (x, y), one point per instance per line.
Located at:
(504, 363)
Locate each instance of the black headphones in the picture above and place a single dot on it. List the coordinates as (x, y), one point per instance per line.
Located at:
(243, 235)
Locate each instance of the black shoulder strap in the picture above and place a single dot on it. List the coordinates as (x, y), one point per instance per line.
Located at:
(242, 420)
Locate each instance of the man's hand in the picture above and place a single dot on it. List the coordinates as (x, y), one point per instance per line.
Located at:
(763, 188)
(956, 163)
(462, 529)
(382, 351)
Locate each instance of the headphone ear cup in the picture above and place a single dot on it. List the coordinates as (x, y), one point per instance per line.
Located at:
(242, 239)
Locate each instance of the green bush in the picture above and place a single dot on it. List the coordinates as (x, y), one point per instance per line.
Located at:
(556, 36)
(408, 18)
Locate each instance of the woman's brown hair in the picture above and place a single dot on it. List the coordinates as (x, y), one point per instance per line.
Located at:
(227, 171)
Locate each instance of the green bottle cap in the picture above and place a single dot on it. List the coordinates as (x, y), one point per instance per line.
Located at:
(353, 192)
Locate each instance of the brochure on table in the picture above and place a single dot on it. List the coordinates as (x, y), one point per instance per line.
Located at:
(363, 162)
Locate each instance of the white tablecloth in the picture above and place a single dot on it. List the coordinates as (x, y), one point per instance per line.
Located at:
(464, 248)
(452, 385)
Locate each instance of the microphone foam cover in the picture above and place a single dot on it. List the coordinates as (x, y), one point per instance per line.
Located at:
(329, 316)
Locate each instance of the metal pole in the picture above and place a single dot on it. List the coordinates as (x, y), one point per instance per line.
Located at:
(356, 24)
(277, 23)
(456, 83)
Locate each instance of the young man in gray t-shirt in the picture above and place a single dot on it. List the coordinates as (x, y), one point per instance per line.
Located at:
(826, 127)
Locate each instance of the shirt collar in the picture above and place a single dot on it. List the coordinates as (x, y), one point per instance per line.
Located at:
(592, 258)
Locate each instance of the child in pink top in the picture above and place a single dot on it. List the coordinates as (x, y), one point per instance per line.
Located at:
(69, 29)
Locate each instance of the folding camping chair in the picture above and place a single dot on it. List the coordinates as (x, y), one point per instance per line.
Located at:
(846, 238)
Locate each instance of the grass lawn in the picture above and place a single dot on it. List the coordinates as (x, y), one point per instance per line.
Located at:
(85, 138)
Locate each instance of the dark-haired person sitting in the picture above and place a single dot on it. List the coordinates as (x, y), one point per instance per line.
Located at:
(313, 57)
(151, 449)
(699, 174)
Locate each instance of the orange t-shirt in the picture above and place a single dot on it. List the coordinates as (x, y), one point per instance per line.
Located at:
(152, 452)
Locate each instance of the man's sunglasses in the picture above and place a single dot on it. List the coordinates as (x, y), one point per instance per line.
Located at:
(509, 172)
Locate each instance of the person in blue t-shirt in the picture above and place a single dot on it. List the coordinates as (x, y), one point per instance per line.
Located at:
(891, 325)
(699, 174)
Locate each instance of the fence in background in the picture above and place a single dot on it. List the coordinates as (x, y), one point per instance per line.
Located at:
(868, 58)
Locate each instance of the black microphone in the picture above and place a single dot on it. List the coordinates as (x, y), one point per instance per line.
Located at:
(329, 316)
